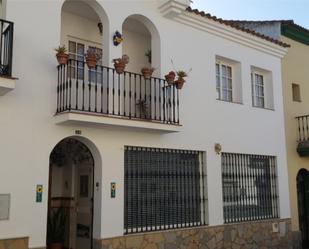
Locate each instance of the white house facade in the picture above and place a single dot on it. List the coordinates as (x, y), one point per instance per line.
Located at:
(131, 161)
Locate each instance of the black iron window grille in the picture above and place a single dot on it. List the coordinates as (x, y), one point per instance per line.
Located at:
(164, 189)
(6, 47)
(249, 187)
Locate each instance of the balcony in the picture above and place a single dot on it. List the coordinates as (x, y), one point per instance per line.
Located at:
(303, 135)
(7, 83)
(101, 96)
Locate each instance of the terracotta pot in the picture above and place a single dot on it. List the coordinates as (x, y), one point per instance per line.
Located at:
(170, 79)
(56, 246)
(147, 73)
(179, 83)
(119, 67)
(62, 58)
(91, 61)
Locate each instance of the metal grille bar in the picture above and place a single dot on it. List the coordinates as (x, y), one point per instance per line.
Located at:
(249, 187)
(164, 189)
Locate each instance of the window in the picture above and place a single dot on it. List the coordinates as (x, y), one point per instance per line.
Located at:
(76, 54)
(257, 82)
(164, 189)
(249, 187)
(77, 51)
(224, 82)
(296, 92)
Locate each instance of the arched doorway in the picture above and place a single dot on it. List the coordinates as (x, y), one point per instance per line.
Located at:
(70, 198)
(303, 205)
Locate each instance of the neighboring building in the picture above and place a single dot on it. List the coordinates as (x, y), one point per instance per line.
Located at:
(122, 155)
(296, 101)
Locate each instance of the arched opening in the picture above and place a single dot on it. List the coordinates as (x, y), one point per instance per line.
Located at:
(303, 205)
(84, 25)
(141, 43)
(71, 195)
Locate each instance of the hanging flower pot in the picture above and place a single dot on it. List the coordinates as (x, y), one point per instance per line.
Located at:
(179, 83)
(91, 59)
(120, 63)
(170, 77)
(119, 67)
(147, 72)
(62, 56)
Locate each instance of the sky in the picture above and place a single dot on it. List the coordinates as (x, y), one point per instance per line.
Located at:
(298, 10)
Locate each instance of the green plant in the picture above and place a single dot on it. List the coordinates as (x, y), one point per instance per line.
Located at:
(182, 74)
(61, 50)
(56, 226)
(143, 107)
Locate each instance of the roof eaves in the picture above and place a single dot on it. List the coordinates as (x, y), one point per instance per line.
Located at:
(235, 26)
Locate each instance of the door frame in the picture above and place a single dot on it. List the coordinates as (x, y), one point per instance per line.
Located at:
(303, 210)
(50, 176)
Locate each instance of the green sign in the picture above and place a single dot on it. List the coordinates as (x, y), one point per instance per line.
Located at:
(113, 190)
(39, 192)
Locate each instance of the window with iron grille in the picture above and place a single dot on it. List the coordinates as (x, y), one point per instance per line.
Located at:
(249, 187)
(164, 189)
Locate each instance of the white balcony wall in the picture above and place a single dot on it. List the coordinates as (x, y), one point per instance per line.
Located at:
(28, 133)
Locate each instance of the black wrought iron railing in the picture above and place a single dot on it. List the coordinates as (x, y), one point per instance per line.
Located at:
(6, 47)
(303, 128)
(103, 91)
(250, 189)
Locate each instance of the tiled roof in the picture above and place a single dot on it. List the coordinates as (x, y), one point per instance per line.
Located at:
(234, 24)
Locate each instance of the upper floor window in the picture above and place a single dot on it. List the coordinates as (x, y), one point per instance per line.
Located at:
(262, 88)
(296, 92)
(228, 80)
(257, 81)
(224, 82)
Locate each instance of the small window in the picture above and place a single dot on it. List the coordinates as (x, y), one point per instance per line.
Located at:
(258, 97)
(224, 82)
(296, 92)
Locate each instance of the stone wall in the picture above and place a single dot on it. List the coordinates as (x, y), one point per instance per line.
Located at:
(251, 235)
(16, 243)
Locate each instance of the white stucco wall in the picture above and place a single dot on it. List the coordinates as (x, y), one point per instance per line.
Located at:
(28, 133)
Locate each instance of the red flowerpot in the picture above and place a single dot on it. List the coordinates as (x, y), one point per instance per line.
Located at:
(119, 67)
(91, 61)
(170, 78)
(62, 58)
(147, 72)
(179, 83)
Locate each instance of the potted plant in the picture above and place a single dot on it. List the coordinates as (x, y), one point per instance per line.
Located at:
(91, 58)
(143, 108)
(181, 78)
(147, 72)
(120, 63)
(170, 77)
(56, 228)
(61, 54)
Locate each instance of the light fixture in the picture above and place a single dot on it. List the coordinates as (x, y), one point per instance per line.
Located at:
(100, 26)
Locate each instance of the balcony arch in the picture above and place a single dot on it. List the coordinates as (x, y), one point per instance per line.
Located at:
(86, 23)
(141, 36)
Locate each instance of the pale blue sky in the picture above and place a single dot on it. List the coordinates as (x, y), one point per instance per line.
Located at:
(298, 10)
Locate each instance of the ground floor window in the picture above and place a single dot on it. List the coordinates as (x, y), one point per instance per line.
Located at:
(249, 187)
(164, 189)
